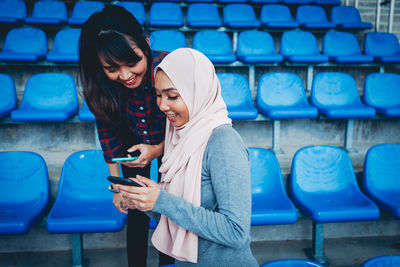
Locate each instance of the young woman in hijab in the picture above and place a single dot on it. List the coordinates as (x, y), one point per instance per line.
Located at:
(115, 67)
(203, 202)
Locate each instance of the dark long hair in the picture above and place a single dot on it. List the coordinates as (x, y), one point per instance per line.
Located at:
(109, 33)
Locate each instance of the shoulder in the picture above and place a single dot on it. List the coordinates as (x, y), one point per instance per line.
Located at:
(224, 139)
(157, 57)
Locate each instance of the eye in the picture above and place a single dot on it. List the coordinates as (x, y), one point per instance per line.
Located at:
(158, 95)
(131, 65)
(173, 97)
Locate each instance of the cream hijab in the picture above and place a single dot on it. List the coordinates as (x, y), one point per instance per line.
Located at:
(194, 77)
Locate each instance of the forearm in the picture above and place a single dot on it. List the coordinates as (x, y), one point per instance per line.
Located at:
(114, 169)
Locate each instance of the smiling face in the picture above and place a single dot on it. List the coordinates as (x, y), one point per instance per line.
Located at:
(130, 75)
(170, 101)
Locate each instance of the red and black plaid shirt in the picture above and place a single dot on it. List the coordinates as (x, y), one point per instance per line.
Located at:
(143, 118)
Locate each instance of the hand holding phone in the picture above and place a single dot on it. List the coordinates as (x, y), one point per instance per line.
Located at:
(123, 181)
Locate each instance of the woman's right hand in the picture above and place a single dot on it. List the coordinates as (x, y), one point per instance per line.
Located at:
(120, 203)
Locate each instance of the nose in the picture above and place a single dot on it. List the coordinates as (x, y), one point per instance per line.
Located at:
(162, 104)
(124, 73)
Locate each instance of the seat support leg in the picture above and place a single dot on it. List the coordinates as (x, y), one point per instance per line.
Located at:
(348, 140)
(252, 83)
(310, 75)
(317, 251)
(77, 250)
(276, 132)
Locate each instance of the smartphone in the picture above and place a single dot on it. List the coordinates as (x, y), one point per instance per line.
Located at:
(124, 159)
(122, 180)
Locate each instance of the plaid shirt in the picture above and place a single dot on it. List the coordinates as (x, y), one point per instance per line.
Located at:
(143, 118)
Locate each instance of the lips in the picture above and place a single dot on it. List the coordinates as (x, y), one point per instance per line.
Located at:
(131, 81)
(171, 118)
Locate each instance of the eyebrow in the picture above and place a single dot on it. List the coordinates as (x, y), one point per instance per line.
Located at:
(167, 89)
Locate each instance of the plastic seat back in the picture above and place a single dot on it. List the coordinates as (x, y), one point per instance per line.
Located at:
(12, 11)
(334, 89)
(48, 12)
(240, 16)
(65, 46)
(323, 172)
(343, 47)
(281, 95)
(292, 263)
(301, 46)
(165, 14)
(8, 96)
(136, 9)
(328, 2)
(381, 177)
(267, 189)
(48, 97)
(203, 15)
(24, 190)
(297, 2)
(83, 10)
(167, 40)
(215, 45)
(236, 93)
(277, 16)
(24, 44)
(256, 47)
(313, 17)
(382, 92)
(383, 46)
(383, 261)
(84, 203)
(348, 17)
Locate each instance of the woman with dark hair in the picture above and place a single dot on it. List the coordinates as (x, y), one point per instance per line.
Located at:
(116, 71)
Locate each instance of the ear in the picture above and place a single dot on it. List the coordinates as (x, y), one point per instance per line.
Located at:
(148, 41)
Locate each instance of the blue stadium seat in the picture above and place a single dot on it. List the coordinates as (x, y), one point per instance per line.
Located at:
(203, 15)
(277, 16)
(383, 261)
(48, 12)
(256, 47)
(167, 40)
(324, 187)
(270, 203)
(327, 2)
(231, 1)
(199, 1)
(348, 18)
(383, 46)
(297, 2)
(281, 95)
(382, 92)
(8, 96)
(335, 95)
(240, 16)
(24, 190)
(48, 97)
(301, 47)
(381, 174)
(84, 203)
(24, 44)
(12, 11)
(65, 46)
(136, 8)
(154, 177)
(237, 96)
(85, 114)
(165, 14)
(313, 17)
(83, 10)
(343, 47)
(215, 45)
(292, 263)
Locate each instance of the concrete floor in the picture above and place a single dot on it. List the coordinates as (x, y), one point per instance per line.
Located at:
(341, 253)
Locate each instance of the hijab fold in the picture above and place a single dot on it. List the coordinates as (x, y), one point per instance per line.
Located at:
(193, 75)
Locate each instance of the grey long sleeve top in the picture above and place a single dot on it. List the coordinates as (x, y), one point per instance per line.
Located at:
(222, 222)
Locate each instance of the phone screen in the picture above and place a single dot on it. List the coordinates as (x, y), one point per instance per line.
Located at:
(124, 159)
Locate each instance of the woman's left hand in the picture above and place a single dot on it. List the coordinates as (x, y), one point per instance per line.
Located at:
(141, 198)
(147, 154)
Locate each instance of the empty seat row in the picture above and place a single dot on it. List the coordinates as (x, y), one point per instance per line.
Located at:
(30, 44)
(198, 15)
(322, 185)
(280, 95)
(273, 16)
